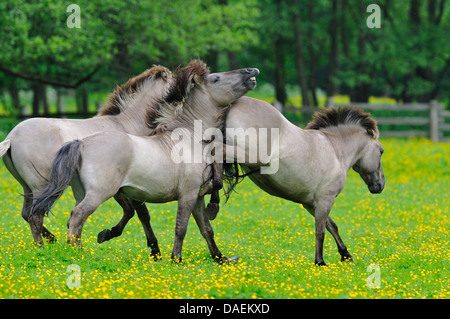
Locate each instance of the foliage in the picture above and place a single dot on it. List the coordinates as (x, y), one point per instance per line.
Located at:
(407, 58)
(404, 231)
(36, 40)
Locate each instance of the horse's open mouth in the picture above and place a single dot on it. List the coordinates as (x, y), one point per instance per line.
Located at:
(250, 78)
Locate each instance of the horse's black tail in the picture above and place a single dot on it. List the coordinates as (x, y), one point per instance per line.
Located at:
(66, 162)
(232, 177)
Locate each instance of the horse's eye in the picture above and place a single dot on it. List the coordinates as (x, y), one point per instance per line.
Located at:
(216, 79)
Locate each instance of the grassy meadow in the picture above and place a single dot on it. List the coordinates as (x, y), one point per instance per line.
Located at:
(404, 231)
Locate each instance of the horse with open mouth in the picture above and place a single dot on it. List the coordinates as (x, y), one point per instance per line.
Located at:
(142, 168)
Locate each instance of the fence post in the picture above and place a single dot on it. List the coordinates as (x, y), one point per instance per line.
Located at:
(434, 121)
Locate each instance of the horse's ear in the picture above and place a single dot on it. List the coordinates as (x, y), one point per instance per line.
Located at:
(196, 79)
(164, 75)
(371, 133)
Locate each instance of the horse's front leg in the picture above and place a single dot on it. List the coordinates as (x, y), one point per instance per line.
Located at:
(333, 229)
(185, 206)
(207, 232)
(320, 209)
(213, 207)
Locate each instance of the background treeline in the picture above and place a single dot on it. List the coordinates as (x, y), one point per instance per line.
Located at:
(303, 48)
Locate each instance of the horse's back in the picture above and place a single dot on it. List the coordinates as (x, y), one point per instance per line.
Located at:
(249, 112)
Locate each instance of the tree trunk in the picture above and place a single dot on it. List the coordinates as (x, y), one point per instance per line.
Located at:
(298, 42)
(333, 32)
(313, 55)
(211, 59)
(59, 102)
(414, 12)
(43, 89)
(36, 99)
(280, 72)
(233, 63)
(279, 62)
(82, 101)
(361, 92)
(15, 99)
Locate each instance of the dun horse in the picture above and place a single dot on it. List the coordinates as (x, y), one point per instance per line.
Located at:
(29, 149)
(313, 163)
(142, 168)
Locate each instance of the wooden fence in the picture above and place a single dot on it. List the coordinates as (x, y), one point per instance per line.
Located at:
(420, 119)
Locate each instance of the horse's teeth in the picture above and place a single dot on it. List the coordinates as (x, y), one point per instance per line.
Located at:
(252, 79)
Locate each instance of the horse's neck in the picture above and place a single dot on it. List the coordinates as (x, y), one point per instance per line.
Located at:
(347, 143)
(203, 109)
(134, 116)
(134, 121)
(195, 110)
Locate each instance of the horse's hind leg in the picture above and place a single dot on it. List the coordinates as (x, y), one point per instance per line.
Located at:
(36, 222)
(26, 210)
(144, 217)
(333, 229)
(129, 206)
(116, 231)
(40, 230)
(79, 215)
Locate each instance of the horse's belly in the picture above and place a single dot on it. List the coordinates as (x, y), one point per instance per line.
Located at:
(155, 195)
(282, 188)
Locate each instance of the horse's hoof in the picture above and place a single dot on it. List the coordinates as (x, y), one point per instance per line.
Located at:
(52, 240)
(177, 261)
(212, 210)
(224, 260)
(348, 259)
(320, 263)
(49, 237)
(218, 184)
(103, 236)
(234, 260)
(156, 256)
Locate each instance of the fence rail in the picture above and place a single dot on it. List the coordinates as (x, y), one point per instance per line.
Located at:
(421, 119)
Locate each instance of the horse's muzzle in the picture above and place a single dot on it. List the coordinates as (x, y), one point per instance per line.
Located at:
(376, 188)
(249, 77)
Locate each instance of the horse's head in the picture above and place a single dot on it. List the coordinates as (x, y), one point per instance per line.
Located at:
(369, 164)
(219, 88)
(226, 87)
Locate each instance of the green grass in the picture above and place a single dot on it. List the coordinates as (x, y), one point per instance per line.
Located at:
(404, 230)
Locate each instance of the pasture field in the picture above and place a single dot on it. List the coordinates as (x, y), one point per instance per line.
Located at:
(404, 231)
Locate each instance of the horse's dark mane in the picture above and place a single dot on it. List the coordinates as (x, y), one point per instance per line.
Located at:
(184, 79)
(114, 104)
(342, 116)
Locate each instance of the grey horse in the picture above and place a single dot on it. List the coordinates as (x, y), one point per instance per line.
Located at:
(311, 165)
(307, 166)
(30, 148)
(143, 168)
